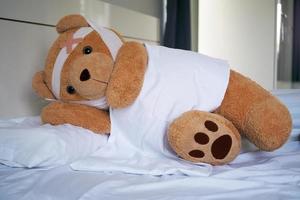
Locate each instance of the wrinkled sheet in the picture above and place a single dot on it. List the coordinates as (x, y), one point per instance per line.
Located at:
(29, 143)
(253, 174)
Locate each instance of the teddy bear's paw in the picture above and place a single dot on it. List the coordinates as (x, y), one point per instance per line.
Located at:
(204, 137)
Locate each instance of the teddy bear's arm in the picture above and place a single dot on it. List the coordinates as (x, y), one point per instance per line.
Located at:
(79, 115)
(128, 75)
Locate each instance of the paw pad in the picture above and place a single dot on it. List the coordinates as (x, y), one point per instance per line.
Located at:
(211, 126)
(201, 138)
(213, 140)
(196, 153)
(221, 147)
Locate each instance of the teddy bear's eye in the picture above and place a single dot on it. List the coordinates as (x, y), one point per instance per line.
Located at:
(70, 89)
(87, 50)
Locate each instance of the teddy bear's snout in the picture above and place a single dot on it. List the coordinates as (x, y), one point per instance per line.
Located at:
(85, 75)
(89, 75)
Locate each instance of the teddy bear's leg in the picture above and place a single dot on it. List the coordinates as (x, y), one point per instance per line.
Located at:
(84, 116)
(204, 137)
(256, 113)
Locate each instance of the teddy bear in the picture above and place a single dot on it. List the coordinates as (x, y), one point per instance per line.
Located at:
(157, 99)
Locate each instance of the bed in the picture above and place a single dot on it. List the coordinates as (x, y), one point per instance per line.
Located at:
(253, 174)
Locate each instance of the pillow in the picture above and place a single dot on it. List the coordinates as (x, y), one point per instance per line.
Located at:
(27, 143)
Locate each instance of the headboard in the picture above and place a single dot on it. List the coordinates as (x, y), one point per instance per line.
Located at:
(27, 31)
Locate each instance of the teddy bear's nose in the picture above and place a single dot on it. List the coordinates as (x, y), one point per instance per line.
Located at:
(85, 75)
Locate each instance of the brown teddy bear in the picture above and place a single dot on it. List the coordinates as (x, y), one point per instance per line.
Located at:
(156, 97)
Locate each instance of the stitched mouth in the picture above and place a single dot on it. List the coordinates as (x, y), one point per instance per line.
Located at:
(103, 82)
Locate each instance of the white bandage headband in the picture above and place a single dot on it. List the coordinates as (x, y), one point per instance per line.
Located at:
(112, 41)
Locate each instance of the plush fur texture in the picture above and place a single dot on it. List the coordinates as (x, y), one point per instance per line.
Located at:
(40, 87)
(79, 115)
(70, 22)
(257, 114)
(195, 136)
(128, 75)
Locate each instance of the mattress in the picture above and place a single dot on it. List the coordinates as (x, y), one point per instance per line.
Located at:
(253, 174)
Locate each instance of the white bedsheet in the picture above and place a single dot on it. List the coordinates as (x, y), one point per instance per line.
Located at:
(253, 175)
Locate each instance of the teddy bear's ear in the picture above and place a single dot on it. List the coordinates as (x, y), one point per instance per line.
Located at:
(40, 87)
(71, 21)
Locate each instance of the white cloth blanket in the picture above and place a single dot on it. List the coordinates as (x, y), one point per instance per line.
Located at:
(176, 81)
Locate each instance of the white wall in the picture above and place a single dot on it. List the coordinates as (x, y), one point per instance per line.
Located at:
(127, 22)
(242, 32)
(20, 59)
(149, 7)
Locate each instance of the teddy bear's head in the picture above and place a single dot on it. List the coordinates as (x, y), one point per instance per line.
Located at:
(79, 63)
